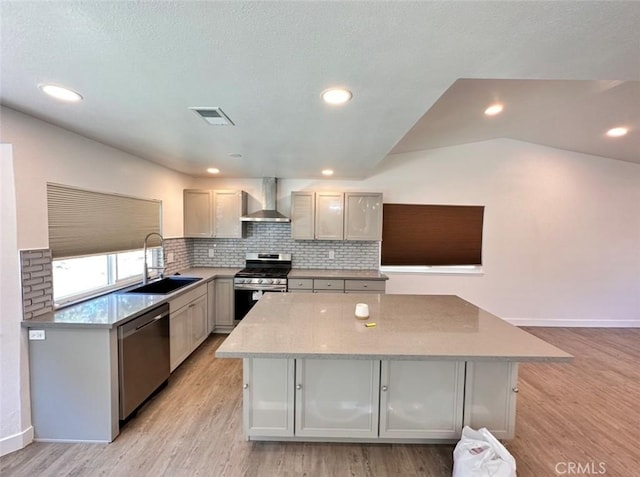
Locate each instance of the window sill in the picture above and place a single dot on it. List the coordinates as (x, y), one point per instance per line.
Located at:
(435, 270)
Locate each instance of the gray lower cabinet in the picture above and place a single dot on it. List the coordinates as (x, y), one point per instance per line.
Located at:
(211, 306)
(365, 286)
(490, 401)
(300, 285)
(188, 324)
(74, 385)
(387, 400)
(224, 305)
(421, 399)
(337, 398)
(331, 285)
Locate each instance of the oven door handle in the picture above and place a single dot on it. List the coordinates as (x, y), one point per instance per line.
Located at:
(261, 288)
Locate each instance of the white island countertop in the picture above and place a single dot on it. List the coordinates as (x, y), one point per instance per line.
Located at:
(307, 325)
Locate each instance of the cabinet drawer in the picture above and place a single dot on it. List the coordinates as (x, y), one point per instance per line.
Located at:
(300, 284)
(320, 284)
(365, 285)
(187, 298)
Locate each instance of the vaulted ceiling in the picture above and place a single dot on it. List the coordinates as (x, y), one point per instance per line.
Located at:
(421, 74)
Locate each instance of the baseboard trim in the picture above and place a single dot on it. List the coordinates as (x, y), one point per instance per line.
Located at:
(574, 323)
(16, 442)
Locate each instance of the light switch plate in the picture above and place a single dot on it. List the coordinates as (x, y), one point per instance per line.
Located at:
(36, 335)
(212, 252)
(170, 257)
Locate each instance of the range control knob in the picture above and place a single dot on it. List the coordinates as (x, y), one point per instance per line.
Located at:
(259, 280)
(268, 281)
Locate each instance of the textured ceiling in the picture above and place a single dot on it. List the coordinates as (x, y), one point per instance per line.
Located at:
(141, 65)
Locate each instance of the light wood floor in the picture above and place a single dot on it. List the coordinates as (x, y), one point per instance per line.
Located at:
(585, 413)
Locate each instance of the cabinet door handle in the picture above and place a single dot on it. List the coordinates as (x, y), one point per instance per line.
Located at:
(298, 387)
(384, 388)
(246, 386)
(515, 389)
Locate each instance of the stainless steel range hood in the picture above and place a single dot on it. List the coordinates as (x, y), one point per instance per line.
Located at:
(268, 212)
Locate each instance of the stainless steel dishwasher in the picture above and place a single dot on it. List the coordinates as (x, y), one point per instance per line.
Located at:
(143, 357)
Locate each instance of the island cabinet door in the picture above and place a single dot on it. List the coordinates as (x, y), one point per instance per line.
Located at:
(268, 397)
(490, 397)
(337, 397)
(421, 399)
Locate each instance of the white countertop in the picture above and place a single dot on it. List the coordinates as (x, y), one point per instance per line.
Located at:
(115, 308)
(297, 325)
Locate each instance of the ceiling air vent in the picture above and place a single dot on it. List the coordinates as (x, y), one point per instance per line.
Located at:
(213, 116)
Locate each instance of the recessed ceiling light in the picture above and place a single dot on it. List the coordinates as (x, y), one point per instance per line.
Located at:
(58, 92)
(336, 95)
(494, 109)
(617, 132)
(327, 172)
(236, 155)
(213, 170)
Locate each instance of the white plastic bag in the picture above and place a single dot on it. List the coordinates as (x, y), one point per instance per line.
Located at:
(480, 454)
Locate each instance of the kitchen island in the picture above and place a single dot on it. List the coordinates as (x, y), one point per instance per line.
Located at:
(429, 366)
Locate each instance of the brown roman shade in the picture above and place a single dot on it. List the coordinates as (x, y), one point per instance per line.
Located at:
(84, 222)
(419, 235)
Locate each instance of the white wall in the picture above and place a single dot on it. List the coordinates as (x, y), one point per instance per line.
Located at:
(15, 415)
(45, 153)
(561, 232)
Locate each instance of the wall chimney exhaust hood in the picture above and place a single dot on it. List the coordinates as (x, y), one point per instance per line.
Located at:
(268, 212)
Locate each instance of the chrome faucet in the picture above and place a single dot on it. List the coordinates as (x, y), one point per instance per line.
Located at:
(145, 271)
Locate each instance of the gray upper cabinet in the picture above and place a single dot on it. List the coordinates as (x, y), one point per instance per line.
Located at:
(303, 209)
(336, 216)
(228, 207)
(329, 215)
(214, 213)
(363, 216)
(317, 215)
(197, 213)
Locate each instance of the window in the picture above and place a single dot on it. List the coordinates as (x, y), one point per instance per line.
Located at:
(431, 235)
(93, 237)
(81, 277)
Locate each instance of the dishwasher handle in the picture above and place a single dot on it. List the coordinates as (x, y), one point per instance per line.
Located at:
(143, 321)
(155, 318)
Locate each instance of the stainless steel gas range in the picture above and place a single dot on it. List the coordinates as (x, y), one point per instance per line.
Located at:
(263, 273)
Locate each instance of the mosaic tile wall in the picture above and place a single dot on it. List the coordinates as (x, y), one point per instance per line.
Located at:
(37, 282)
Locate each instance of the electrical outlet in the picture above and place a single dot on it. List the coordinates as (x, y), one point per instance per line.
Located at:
(212, 252)
(35, 335)
(332, 255)
(170, 257)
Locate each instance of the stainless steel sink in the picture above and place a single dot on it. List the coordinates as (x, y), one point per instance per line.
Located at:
(163, 286)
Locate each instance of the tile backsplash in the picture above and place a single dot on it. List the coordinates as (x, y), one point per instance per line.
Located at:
(37, 282)
(37, 275)
(276, 238)
(182, 250)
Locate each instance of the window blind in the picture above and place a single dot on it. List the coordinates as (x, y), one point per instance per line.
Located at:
(415, 235)
(84, 222)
